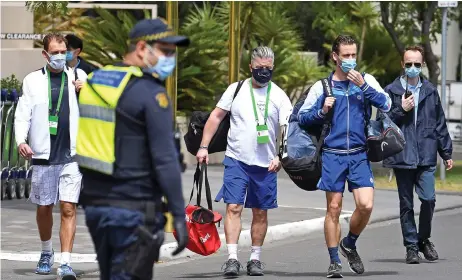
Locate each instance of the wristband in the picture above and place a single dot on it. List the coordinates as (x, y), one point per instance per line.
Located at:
(203, 147)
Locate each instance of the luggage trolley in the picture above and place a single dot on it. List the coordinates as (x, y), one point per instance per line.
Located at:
(8, 189)
(12, 174)
(17, 172)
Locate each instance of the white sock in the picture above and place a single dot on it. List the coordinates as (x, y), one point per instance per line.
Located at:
(256, 251)
(232, 251)
(66, 258)
(47, 246)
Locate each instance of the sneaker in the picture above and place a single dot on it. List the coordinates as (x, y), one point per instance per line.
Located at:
(354, 261)
(255, 268)
(412, 256)
(45, 263)
(335, 270)
(428, 250)
(231, 267)
(65, 272)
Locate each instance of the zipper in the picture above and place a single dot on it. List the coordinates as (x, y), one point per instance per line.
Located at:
(348, 119)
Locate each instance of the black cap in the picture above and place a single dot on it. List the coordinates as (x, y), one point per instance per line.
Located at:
(156, 30)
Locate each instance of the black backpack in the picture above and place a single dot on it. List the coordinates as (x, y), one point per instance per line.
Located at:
(300, 149)
(193, 137)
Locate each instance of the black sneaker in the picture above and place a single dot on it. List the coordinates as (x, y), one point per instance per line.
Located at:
(354, 261)
(255, 268)
(412, 256)
(231, 267)
(428, 250)
(334, 270)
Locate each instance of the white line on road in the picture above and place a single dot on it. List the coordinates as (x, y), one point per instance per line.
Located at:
(274, 233)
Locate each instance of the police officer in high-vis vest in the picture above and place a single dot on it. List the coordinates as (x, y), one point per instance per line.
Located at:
(127, 155)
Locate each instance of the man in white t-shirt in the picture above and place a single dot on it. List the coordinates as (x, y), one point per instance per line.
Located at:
(251, 162)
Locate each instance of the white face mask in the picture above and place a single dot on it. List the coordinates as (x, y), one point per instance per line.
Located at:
(57, 61)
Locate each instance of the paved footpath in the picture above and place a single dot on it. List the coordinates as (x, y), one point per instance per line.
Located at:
(299, 213)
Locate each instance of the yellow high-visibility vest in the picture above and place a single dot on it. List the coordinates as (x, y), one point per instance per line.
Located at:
(98, 99)
(97, 103)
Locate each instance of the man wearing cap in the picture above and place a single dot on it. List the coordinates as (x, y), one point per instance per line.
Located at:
(127, 155)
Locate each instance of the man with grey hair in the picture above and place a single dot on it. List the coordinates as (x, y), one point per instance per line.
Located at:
(251, 162)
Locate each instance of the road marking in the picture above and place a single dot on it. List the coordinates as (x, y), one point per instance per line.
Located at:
(274, 233)
(315, 208)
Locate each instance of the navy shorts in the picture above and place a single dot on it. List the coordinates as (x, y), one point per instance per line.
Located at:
(253, 186)
(338, 168)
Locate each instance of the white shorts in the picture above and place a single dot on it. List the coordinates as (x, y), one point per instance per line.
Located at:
(49, 182)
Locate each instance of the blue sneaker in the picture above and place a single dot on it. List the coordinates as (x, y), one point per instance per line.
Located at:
(65, 272)
(45, 263)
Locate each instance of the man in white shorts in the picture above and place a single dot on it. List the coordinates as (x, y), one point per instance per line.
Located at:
(46, 122)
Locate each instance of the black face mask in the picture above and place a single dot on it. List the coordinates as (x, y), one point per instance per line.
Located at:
(262, 75)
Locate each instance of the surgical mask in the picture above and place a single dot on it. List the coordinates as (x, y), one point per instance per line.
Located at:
(262, 76)
(164, 66)
(413, 71)
(57, 61)
(348, 64)
(69, 55)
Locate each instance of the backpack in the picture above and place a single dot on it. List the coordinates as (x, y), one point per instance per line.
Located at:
(193, 137)
(300, 149)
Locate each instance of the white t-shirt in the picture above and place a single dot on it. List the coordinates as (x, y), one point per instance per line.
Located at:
(242, 136)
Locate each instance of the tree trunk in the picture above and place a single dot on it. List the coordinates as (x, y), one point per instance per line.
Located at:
(363, 38)
(430, 58)
(385, 13)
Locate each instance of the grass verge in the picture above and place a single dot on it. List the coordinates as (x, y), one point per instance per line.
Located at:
(453, 180)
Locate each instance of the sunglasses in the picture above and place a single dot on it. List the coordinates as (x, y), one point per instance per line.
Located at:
(416, 64)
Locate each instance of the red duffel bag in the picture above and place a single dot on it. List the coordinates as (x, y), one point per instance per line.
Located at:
(201, 222)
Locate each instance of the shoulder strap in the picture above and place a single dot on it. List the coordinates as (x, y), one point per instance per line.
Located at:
(238, 88)
(328, 92)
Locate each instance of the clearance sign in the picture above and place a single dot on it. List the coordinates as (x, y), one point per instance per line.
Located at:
(21, 36)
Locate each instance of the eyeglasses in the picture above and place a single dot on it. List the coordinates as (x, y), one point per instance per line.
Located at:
(409, 64)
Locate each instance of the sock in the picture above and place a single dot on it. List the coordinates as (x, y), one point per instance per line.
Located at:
(232, 251)
(65, 258)
(255, 254)
(333, 253)
(350, 240)
(47, 246)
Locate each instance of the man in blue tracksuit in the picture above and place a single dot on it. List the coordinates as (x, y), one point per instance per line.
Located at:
(344, 153)
(420, 116)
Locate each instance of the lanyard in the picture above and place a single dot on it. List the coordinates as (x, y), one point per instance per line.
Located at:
(255, 106)
(61, 90)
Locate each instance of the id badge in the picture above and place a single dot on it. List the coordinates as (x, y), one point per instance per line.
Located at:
(53, 124)
(262, 134)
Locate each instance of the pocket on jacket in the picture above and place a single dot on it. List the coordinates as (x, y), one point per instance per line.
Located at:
(430, 130)
(130, 152)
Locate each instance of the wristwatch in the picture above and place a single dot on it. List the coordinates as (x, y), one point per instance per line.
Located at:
(203, 147)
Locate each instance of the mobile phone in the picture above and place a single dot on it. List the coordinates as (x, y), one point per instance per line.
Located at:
(407, 94)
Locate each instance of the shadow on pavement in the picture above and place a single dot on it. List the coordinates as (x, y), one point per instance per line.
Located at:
(31, 272)
(287, 274)
(403, 261)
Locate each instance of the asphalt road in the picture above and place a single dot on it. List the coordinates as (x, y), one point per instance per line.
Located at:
(380, 247)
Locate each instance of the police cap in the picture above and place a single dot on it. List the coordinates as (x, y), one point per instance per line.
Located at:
(156, 30)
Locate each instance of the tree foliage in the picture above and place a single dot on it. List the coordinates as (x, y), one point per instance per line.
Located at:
(203, 66)
(416, 22)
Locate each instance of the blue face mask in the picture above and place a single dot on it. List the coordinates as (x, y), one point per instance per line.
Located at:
(413, 71)
(69, 55)
(164, 66)
(57, 61)
(348, 64)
